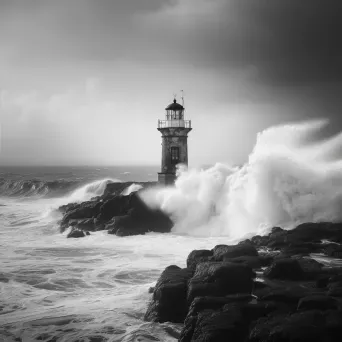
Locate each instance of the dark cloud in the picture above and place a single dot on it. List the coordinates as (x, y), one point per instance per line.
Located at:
(287, 42)
(290, 41)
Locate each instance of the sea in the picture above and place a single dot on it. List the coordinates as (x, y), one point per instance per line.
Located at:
(96, 288)
(91, 289)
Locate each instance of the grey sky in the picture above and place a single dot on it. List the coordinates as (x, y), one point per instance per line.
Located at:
(84, 82)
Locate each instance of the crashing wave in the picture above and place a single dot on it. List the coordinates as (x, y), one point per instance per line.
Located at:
(286, 181)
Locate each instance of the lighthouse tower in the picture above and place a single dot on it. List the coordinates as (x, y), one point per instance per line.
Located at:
(174, 130)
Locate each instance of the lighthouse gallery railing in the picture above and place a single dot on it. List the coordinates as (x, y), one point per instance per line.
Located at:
(174, 123)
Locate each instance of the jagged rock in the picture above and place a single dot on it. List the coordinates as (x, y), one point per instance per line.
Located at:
(82, 211)
(75, 233)
(198, 256)
(225, 251)
(115, 206)
(260, 241)
(220, 279)
(169, 303)
(119, 214)
(87, 224)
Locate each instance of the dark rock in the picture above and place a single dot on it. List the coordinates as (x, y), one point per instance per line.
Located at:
(259, 285)
(285, 269)
(290, 295)
(198, 256)
(214, 303)
(169, 303)
(225, 251)
(260, 241)
(302, 248)
(230, 323)
(80, 211)
(304, 327)
(220, 279)
(309, 232)
(251, 261)
(322, 280)
(335, 292)
(115, 206)
(75, 233)
(318, 302)
(266, 259)
(334, 251)
(87, 224)
(141, 219)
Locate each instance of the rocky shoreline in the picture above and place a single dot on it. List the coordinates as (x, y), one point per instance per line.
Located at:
(115, 211)
(264, 289)
(268, 288)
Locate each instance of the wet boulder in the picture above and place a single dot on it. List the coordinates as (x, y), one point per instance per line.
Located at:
(288, 269)
(288, 295)
(83, 210)
(220, 279)
(86, 224)
(141, 219)
(198, 256)
(234, 251)
(76, 233)
(222, 321)
(318, 302)
(169, 299)
(306, 326)
(114, 206)
(251, 261)
(260, 241)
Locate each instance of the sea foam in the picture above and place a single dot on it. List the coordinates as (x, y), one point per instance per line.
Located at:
(288, 179)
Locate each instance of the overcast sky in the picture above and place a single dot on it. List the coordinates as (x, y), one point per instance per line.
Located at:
(85, 81)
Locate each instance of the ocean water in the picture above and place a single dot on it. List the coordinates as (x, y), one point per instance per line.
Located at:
(90, 289)
(96, 288)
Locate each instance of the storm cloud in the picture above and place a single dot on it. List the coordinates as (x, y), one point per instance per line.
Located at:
(244, 65)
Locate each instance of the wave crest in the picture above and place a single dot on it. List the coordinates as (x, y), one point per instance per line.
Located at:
(35, 187)
(287, 180)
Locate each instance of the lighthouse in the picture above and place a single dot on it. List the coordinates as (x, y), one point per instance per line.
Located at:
(174, 130)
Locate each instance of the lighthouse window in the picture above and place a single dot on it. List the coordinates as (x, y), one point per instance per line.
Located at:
(174, 155)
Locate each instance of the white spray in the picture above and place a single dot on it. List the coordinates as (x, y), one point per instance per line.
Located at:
(286, 181)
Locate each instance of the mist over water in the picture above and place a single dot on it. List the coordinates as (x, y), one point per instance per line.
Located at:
(289, 179)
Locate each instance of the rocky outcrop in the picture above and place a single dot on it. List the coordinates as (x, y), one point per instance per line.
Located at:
(121, 215)
(169, 302)
(268, 288)
(76, 233)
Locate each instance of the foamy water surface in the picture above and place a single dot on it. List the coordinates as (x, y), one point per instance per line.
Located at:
(58, 289)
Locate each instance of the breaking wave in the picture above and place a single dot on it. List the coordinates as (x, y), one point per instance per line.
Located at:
(35, 187)
(287, 180)
(69, 190)
(86, 192)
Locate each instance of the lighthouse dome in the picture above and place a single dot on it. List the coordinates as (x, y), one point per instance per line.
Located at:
(174, 106)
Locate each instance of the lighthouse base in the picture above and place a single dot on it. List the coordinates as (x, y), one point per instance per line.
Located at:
(166, 178)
